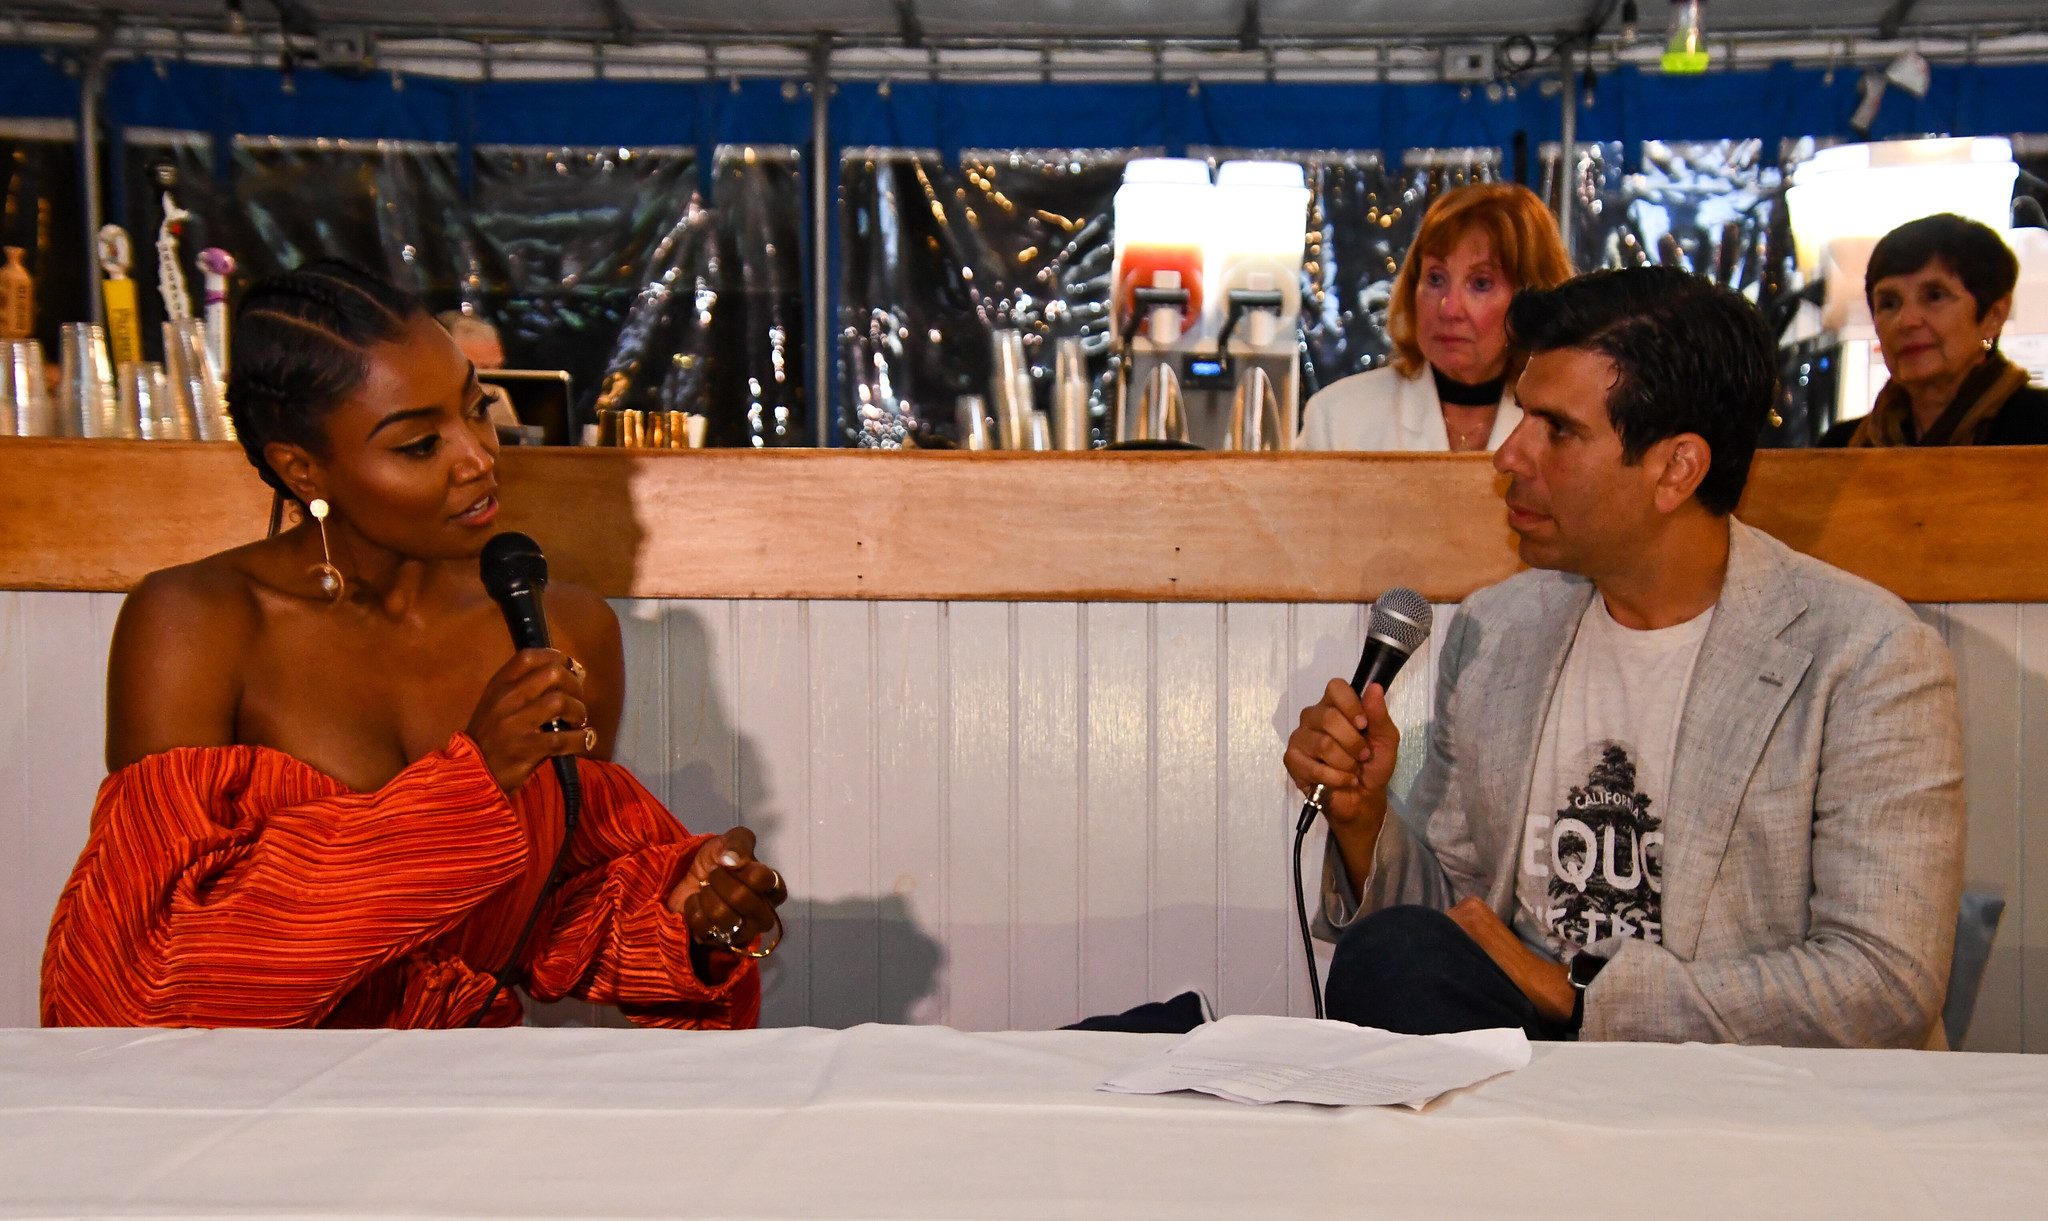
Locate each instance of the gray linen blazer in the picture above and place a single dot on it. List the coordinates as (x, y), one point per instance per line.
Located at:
(1813, 828)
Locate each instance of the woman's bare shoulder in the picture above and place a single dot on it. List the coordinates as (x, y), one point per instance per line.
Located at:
(582, 606)
(219, 591)
(587, 629)
(584, 623)
(173, 674)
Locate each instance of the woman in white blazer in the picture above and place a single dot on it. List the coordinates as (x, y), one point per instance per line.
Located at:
(1450, 385)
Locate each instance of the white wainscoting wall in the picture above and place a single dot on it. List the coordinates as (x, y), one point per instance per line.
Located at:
(1000, 815)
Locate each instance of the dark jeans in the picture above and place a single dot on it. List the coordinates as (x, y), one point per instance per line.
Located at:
(1177, 1016)
(1412, 970)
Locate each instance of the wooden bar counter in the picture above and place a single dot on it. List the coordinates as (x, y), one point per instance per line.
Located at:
(1948, 525)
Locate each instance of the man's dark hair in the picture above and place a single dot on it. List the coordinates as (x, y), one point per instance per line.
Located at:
(1977, 256)
(301, 346)
(1690, 357)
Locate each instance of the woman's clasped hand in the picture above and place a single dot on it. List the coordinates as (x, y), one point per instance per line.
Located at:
(728, 898)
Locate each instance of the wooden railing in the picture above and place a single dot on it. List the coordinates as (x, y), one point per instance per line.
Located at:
(1932, 526)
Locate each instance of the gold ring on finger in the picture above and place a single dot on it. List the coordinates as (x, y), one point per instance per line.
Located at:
(747, 951)
(589, 739)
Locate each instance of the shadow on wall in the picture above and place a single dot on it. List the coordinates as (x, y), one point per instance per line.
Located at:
(843, 960)
(869, 960)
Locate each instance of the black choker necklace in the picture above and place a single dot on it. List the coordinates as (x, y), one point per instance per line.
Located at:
(1465, 394)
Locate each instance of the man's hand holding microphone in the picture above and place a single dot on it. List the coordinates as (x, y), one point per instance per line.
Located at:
(1348, 745)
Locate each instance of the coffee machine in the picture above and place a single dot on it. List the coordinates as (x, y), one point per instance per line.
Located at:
(1207, 303)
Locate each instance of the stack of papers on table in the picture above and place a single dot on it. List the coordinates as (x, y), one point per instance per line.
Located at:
(1279, 1059)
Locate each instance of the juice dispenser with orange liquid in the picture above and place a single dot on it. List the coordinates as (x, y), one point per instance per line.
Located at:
(1162, 216)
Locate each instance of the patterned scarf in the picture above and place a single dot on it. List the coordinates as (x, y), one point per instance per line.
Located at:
(1965, 422)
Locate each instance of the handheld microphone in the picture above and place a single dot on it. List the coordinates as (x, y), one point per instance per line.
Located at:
(515, 573)
(1398, 625)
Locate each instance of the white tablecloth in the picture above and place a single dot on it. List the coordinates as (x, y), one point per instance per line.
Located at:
(883, 1121)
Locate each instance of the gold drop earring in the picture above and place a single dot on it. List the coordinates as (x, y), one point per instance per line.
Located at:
(330, 576)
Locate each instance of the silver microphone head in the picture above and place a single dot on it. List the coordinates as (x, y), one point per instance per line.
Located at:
(1401, 618)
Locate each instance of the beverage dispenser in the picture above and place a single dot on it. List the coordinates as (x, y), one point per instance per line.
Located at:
(1162, 228)
(1208, 302)
(1255, 250)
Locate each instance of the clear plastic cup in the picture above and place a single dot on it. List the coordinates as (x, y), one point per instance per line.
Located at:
(88, 387)
(29, 407)
(143, 407)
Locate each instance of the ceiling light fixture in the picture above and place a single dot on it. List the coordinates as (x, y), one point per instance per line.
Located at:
(1685, 51)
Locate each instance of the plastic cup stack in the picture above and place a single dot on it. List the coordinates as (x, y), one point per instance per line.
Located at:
(194, 381)
(1010, 390)
(1070, 394)
(25, 407)
(1039, 431)
(88, 387)
(144, 406)
(972, 415)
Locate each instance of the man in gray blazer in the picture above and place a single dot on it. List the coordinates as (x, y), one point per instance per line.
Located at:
(1682, 782)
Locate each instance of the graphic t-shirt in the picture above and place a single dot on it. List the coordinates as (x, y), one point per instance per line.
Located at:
(1592, 860)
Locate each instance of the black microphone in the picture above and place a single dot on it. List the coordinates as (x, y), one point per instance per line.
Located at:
(1398, 625)
(515, 574)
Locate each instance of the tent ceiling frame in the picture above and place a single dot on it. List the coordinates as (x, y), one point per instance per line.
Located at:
(915, 54)
(1887, 19)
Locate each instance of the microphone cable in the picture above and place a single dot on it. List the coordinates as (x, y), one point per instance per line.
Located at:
(1309, 810)
(1398, 625)
(514, 573)
(572, 807)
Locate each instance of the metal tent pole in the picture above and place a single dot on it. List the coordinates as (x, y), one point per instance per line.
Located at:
(92, 86)
(1568, 160)
(821, 241)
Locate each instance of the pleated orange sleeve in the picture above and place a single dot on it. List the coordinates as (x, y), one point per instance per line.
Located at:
(609, 936)
(237, 886)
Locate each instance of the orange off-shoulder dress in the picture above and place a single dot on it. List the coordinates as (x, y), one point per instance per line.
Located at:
(238, 886)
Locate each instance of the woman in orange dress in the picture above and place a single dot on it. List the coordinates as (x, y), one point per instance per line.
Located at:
(326, 804)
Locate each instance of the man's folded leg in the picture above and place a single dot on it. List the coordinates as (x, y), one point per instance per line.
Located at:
(1412, 970)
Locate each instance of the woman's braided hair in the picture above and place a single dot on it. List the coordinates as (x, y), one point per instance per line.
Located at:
(301, 346)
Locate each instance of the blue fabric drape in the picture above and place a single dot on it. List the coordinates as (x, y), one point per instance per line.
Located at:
(33, 89)
(1630, 105)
